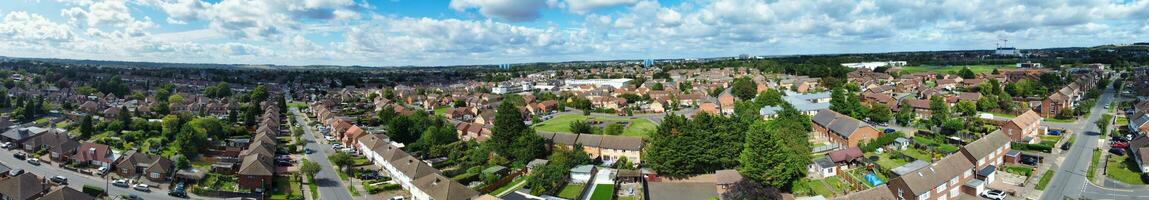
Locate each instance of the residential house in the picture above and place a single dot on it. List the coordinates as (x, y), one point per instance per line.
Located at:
(66, 193)
(987, 155)
(94, 154)
(1024, 128)
(25, 186)
(438, 187)
(351, 136)
(940, 180)
(256, 172)
(19, 135)
(842, 130)
(409, 170)
(822, 167)
(1139, 150)
(881, 192)
(153, 167)
(726, 102)
(59, 145)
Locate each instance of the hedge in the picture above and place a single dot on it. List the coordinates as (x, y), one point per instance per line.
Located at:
(93, 190)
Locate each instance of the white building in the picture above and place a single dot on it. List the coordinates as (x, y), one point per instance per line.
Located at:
(872, 65)
(616, 83)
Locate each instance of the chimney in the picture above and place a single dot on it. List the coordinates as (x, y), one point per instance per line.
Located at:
(436, 182)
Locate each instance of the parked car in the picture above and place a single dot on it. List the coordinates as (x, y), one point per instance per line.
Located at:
(1119, 152)
(307, 151)
(1029, 160)
(337, 146)
(397, 198)
(141, 187)
(329, 138)
(59, 180)
(34, 161)
(1065, 147)
(178, 191)
(15, 172)
(102, 170)
(994, 194)
(120, 183)
(348, 150)
(6, 145)
(1119, 145)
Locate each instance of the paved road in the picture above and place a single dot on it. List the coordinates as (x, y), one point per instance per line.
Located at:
(77, 180)
(330, 186)
(1070, 179)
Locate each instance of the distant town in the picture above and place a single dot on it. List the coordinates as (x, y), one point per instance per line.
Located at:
(1008, 123)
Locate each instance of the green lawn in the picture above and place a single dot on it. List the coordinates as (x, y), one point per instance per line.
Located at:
(811, 188)
(1122, 121)
(353, 191)
(887, 162)
(314, 188)
(954, 69)
(297, 104)
(286, 188)
(561, 124)
(509, 187)
(1124, 169)
(918, 154)
(1060, 120)
(1019, 170)
(1045, 178)
(1050, 138)
(1003, 115)
(602, 192)
(1093, 164)
(571, 191)
(441, 110)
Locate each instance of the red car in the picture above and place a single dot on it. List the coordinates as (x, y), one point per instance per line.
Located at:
(1119, 145)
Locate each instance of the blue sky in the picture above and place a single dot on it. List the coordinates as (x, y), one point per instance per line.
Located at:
(462, 32)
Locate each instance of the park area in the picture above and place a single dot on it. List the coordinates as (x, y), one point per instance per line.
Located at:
(561, 124)
(954, 69)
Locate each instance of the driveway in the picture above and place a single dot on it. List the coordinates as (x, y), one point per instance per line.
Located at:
(77, 180)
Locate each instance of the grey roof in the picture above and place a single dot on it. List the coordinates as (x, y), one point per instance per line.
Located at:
(582, 169)
(769, 110)
(987, 170)
(621, 143)
(24, 133)
(589, 140)
(925, 179)
(682, 191)
(909, 167)
(824, 162)
(986, 145)
(811, 106)
(808, 97)
(973, 183)
(22, 186)
(845, 126)
(824, 117)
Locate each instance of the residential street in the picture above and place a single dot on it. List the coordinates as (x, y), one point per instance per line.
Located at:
(330, 187)
(1070, 179)
(77, 180)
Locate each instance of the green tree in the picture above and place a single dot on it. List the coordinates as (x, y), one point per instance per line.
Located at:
(513, 138)
(656, 86)
(744, 88)
(86, 128)
(341, 160)
(613, 129)
(170, 125)
(769, 157)
(581, 127)
(967, 73)
(905, 114)
(259, 94)
(770, 97)
(940, 111)
(750, 190)
(966, 108)
(880, 113)
(309, 168)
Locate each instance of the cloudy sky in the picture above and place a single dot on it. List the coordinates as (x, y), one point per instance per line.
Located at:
(460, 32)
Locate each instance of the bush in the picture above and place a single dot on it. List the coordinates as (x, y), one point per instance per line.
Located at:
(93, 190)
(881, 141)
(1042, 147)
(466, 178)
(391, 187)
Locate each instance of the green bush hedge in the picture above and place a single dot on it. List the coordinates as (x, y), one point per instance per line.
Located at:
(93, 190)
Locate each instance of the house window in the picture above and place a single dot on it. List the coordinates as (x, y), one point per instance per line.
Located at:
(941, 188)
(155, 175)
(967, 173)
(924, 196)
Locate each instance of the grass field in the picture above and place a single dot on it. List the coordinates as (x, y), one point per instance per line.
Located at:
(888, 162)
(1124, 169)
(954, 69)
(439, 111)
(571, 191)
(918, 154)
(1093, 164)
(286, 188)
(1045, 178)
(602, 192)
(561, 124)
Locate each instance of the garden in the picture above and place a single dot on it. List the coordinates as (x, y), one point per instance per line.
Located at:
(1123, 169)
(561, 124)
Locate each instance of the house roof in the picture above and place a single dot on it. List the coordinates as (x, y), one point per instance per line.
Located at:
(91, 151)
(413, 167)
(825, 117)
(443, 188)
(682, 191)
(566, 139)
(621, 143)
(877, 193)
(986, 145)
(66, 193)
(824, 162)
(22, 186)
(589, 140)
(134, 158)
(257, 165)
(56, 141)
(844, 155)
(929, 177)
(1026, 119)
(729, 176)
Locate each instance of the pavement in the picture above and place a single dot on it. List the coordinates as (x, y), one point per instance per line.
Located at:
(77, 180)
(327, 180)
(1070, 178)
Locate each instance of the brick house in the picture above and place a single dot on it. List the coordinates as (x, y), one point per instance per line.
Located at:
(1024, 128)
(841, 129)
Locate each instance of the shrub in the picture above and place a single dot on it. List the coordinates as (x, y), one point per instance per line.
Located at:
(93, 190)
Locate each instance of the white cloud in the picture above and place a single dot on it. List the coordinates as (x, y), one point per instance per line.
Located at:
(258, 19)
(20, 26)
(584, 6)
(102, 15)
(511, 10)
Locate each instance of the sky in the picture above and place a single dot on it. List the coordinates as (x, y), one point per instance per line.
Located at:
(470, 32)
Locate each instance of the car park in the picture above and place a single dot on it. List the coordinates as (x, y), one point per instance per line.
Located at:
(120, 183)
(141, 187)
(59, 180)
(34, 161)
(994, 194)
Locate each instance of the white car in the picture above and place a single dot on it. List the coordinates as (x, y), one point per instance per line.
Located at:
(993, 194)
(102, 170)
(142, 187)
(120, 183)
(397, 198)
(337, 146)
(6, 145)
(348, 150)
(34, 161)
(329, 138)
